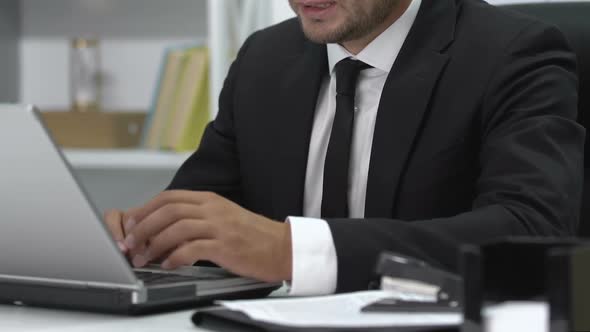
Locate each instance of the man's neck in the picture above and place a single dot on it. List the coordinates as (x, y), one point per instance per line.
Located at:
(357, 45)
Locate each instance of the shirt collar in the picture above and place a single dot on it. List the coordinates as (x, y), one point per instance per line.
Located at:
(383, 50)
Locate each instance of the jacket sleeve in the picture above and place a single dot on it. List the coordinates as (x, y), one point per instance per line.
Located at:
(531, 167)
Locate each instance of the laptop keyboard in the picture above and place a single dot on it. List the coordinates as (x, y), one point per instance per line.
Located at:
(155, 278)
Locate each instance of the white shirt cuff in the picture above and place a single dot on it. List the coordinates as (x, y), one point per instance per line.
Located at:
(315, 265)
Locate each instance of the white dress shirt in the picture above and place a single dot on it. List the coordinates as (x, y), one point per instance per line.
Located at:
(315, 267)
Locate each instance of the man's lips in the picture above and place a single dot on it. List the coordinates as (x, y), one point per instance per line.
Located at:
(316, 9)
(318, 3)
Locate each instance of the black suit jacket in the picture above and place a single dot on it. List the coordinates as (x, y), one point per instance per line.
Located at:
(475, 136)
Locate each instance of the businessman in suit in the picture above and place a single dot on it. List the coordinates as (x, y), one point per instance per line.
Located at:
(406, 125)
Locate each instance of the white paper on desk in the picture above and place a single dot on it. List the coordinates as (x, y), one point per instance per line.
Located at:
(343, 310)
(517, 316)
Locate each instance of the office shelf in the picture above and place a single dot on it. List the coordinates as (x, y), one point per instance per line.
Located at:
(133, 35)
(129, 159)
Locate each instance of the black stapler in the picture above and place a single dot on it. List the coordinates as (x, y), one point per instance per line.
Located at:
(418, 286)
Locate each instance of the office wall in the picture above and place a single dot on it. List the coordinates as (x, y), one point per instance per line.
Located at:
(281, 11)
(133, 35)
(9, 60)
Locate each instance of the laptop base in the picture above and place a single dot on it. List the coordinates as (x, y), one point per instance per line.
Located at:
(113, 301)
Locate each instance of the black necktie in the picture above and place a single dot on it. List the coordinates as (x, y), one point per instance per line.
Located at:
(335, 191)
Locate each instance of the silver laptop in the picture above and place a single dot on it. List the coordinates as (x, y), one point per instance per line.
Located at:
(55, 249)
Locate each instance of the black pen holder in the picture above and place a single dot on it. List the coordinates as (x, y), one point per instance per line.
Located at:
(555, 270)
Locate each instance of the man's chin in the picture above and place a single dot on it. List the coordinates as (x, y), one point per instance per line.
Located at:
(318, 33)
(317, 39)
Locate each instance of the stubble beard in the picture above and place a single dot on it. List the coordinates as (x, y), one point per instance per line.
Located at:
(357, 26)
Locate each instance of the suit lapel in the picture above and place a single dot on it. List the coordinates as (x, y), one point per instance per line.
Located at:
(294, 119)
(404, 102)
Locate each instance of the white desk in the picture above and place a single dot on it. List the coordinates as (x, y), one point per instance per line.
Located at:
(509, 317)
(134, 159)
(25, 319)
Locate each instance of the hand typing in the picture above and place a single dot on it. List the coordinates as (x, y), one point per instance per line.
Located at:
(183, 227)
